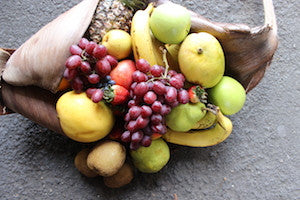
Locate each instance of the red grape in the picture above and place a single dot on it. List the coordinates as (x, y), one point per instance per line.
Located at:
(156, 119)
(133, 85)
(134, 112)
(112, 60)
(89, 48)
(134, 145)
(142, 122)
(158, 128)
(146, 111)
(127, 117)
(138, 76)
(89, 92)
(141, 89)
(147, 130)
(70, 74)
(143, 65)
(165, 109)
(126, 136)
(156, 106)
(183, 96)
(73, 62)
(85, 67)
(176, 82)
(131, 126)
(174, 103)
(103, 67)
(156, 70)
(99, 51)
(159, 88)
(77, 85)
(131, 103)
(75, 50)
(172, 73)
(94, 78)
(146, 141)
(137, 136)
(171, 94)
(97, 95)
(150, 97)
(82, 43)
(180, 76)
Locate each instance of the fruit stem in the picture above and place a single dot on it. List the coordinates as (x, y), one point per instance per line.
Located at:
(166, 63)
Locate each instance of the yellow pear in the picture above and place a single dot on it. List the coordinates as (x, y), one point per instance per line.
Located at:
(83, 120)
(201, 59)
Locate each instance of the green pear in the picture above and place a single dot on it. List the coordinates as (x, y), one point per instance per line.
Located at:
(153, 158)
(184, 116)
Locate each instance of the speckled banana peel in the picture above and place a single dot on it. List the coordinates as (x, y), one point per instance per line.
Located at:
(207, 121)
(142, 42)
(202, 138)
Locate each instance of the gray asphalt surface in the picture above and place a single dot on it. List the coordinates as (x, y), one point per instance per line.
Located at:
(260, 160)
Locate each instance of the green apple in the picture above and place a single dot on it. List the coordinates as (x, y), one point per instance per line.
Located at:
(170, 23)
(229, 95)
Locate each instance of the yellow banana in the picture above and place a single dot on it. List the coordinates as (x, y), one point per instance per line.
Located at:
(207, 121)
(142, 42)
(202, 138)
(172, 56)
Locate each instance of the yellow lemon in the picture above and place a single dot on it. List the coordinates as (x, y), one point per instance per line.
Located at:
(83, 120)
(118, 43)
(201, 59)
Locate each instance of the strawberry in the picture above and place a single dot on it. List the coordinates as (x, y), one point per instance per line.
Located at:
(197, 94)
(122, 73)
(116, 94)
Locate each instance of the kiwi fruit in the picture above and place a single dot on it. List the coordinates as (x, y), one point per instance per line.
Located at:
(106, 158)
(80, 162)
(121, 178)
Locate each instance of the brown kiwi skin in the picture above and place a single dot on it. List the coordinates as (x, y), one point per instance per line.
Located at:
(123, 177)
(80, 162)
(107, 157)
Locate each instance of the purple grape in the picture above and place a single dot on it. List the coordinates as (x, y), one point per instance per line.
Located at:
(146, 111)
(143, 65)
(97, 95)
(99, 51)
(137, 136)
(131, 103)
(146, 141)
(141, 89)
(156, 107)
(70, 74)
(156, 70)
(82, 43)
(142, 122)
(147, 130)
(176, 82)
(127, 117)
(75, 50)
(172, 73)
(139, 76)
(103, 67)
(89, 48)
(131, 126)
(171, 95)
(77, 85)
(183, 96)
(156, 119)
(126, 136)
(150, 97)
(85, 67)
(134, 145)
(165, 109)
(134, 112)
(180, 76)
(112, 60)
(73, 62)
(89, 92)
(159, 88)
(93, 78)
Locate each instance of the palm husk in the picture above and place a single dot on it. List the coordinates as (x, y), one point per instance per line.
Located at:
(40, 61)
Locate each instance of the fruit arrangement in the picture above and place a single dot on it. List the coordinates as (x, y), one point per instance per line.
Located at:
(131, 82)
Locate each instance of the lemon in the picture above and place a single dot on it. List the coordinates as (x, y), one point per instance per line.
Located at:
(83, 120)
(201, 59)
(118, 43)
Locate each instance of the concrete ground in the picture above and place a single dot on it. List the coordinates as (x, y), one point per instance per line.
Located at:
(260, 160)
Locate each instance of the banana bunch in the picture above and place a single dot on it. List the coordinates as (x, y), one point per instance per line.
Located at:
(203, 138)
(144, 44)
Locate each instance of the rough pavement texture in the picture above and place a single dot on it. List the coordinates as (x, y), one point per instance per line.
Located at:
(258, 161)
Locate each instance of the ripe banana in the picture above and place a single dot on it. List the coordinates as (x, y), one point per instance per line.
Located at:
(202, 138)
(207, 121)
(144, 45)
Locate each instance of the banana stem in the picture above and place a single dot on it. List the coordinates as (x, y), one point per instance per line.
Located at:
(270, 18)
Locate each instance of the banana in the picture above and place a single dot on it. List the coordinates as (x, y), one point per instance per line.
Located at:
(207, 121)
(143, 44)
(202, 138)
(172, 56)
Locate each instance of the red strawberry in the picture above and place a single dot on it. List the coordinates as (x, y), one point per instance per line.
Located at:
(197, 94)
(116, 95)
(122, 73)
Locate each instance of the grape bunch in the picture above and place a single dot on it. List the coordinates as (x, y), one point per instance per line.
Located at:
(88, 69)
(154, 92)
